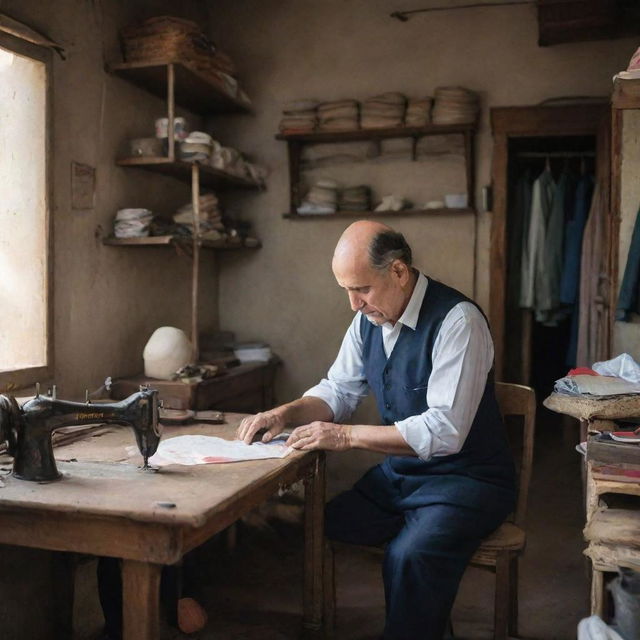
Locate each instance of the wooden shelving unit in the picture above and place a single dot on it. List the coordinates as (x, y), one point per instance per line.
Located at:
(374, 214)
(197, 92)
(180, 83)
(296, 142)
(209, 177)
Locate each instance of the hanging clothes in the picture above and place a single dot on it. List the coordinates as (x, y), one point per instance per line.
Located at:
(533, 260)
(518, 233)
(574, 231)
(549, 269)
(594, 285)
(628, 299)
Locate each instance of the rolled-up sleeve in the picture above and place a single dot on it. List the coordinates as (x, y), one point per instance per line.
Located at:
(462, 358)
(345, 385)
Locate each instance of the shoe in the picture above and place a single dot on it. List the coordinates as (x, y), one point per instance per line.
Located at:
(191, 615)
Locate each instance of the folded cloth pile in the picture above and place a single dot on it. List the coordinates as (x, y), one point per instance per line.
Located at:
(392, 203)
(321, 198)
(299, 116)
(340, 115)
(418, 112)
(198, 146)
(595, 385)
(132, 223)
(455, 105)
(355, 198)
(229, 160)
(210, 222)
(385, 111)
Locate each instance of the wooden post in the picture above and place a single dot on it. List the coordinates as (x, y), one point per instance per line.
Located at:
(140, 600)
(195, 269)
(171, 112)
(314, 496)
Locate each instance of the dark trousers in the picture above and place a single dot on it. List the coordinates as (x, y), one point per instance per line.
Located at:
(428, 548)
(110, 593)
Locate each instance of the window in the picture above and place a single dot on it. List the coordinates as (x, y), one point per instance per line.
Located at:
(25, 294)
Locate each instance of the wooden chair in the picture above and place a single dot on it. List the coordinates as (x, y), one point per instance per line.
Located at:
(500, 552)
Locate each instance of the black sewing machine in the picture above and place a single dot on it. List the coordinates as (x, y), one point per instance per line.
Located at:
(27, 430)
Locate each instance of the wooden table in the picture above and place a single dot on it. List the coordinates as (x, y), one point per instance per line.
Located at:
(105, 505)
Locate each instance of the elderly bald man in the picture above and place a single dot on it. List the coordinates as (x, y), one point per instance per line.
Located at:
(448, 481)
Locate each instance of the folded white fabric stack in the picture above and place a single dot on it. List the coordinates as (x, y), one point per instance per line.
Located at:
(418, 112)
(132, 223)
(210, 221)
(385, 111)
(455, 105)
(299, 116)
(355, 198)
(321, 198)
(339, 115)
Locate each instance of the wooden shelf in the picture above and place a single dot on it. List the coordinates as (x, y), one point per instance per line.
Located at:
(376, 214)
(164, 241)
(194, 90)
(319, 137)
(181, 170)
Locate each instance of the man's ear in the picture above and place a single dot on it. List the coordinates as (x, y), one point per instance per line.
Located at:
(400, 270)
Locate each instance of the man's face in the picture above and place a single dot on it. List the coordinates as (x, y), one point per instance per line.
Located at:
(377, 293)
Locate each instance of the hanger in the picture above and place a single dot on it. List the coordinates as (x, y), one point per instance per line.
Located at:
(547, 164)
(583, 165)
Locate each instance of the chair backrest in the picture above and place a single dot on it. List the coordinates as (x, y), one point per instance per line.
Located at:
(518, 400)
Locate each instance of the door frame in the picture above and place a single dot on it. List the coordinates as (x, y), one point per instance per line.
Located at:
(525, 122)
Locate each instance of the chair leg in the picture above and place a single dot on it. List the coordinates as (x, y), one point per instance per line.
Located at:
(501, 599)
(513, 599)
(329, 605)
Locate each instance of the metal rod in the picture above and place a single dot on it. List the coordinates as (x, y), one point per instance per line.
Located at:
(556, 154)
(195, 278)
(403, 16)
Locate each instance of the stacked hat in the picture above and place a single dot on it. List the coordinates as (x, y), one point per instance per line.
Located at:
(198, 145)
(455, 105)
(418, 112)
(321, 198)
(385, 111)
(340, 115)
(299, 116)
(210, 221)
(132, 223)
(355, 199)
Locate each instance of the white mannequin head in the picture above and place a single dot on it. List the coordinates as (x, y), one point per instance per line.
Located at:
(167, 350)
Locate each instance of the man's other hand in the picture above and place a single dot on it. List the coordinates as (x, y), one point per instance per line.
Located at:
(268, 421)
(321, 435)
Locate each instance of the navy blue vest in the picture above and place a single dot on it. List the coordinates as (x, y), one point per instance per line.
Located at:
(400, 387)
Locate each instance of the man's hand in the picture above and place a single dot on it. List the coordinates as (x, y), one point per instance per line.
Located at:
(321, 435)
(268, 421)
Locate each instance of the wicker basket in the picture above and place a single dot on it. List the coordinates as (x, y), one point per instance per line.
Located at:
(169, 38)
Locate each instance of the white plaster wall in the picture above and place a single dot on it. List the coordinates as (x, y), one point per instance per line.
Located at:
(333, 49)
(108, 300)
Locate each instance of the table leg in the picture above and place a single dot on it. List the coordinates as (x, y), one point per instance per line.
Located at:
(314, 497)
(140, 600)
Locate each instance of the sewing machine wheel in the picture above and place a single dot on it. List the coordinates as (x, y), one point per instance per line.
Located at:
(10, 419)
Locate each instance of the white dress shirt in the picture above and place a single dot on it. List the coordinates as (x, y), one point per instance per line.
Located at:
(462, 357)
